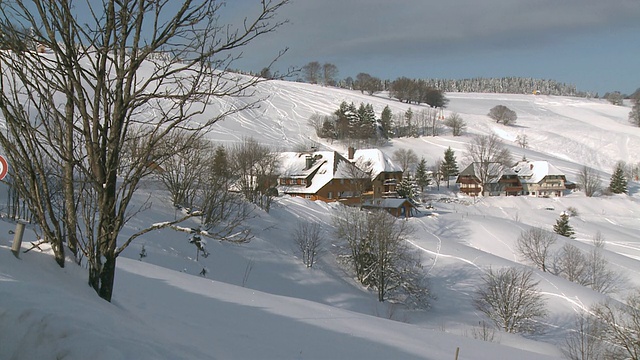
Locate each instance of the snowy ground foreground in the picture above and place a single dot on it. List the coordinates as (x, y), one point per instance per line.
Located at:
(259, 302)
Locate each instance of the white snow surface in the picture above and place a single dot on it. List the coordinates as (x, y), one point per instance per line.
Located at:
(258, 301)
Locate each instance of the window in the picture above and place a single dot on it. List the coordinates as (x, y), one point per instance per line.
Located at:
(307, 196)
(330, 195)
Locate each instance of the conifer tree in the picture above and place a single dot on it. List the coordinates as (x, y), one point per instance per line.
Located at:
(618, 184)
(449, 165)
(385, 121)
(422, 176)
(562, 226)
(405, 189)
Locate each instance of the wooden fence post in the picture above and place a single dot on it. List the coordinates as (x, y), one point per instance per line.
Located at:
(17, 239)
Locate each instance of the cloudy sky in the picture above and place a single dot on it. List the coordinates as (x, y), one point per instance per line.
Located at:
(593, 44)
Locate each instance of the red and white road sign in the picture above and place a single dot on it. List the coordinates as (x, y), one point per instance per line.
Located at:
(4, 167)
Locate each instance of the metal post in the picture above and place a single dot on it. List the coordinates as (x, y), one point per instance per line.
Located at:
(17, 239)
(457, 352)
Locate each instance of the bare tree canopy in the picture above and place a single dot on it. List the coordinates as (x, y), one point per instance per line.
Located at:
(485, 151)
(503, 115)
(534, 245)
(456, 124)
(407, 159)
(121, 73)
(312, 72)
(620, 327)
(589, 181)
(509, 297)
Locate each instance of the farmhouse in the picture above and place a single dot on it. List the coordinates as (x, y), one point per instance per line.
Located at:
(533, 178)
(321, 175)
(385, 174)
(540, 178)
(498, 180)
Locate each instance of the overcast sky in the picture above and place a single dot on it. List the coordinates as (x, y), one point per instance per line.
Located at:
(594, 44)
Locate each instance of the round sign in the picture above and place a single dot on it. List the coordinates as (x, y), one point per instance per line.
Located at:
(4, 167)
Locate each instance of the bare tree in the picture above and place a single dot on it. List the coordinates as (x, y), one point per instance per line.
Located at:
(456, 124)
(600, 276)
(329, 74)
(503, 115)
(309, 242)
(534, 245)
(572, 264)
(377, 250)
(621, 327)
(407, 159)
(522, 141)
(181, 172)
(312, 71)
(256, 169)
(509, 297)
(589, 181)
(436, 170)
(485, 152)
(122, 72)
(584, 342)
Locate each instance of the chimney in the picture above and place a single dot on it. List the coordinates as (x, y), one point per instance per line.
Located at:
(351, 152)
(530, 166)
(308, 162)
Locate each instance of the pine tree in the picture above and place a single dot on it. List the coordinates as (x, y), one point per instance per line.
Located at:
(422, 175)
(366, 118)
(405, 189)
(618, 184)
(385, 121)
(562, 226)
(449, 165)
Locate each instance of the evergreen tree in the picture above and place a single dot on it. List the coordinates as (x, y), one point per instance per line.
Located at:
(562, 226)
(366, 118)
(422, 175)
(385, 121)
(449, 165)
(405, 189)
(618, 184)
(347, 122)
(328, 130)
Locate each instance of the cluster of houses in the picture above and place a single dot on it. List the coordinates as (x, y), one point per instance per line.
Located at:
(533, 178)
(367, 177)
(364, 177)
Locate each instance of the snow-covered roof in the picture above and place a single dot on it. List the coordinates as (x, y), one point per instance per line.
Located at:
(535, 171)
(387, 203)
(324, 167)
(495, 171)
(375, 160)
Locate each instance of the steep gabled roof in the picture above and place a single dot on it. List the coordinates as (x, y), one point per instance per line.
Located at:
(535, 171)
(495, 171)
(325, 166)
(376, 161)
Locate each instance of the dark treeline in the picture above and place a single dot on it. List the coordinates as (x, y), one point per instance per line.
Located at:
(313, 73)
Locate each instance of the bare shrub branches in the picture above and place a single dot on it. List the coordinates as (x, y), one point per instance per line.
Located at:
(534, 245)
(510, 298)
(309, 242)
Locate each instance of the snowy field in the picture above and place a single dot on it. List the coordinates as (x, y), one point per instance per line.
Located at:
(258, 301)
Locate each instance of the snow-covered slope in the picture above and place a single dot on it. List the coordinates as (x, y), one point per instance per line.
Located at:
(258, 301)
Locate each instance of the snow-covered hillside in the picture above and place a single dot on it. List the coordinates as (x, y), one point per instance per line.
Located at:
(258, 301)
